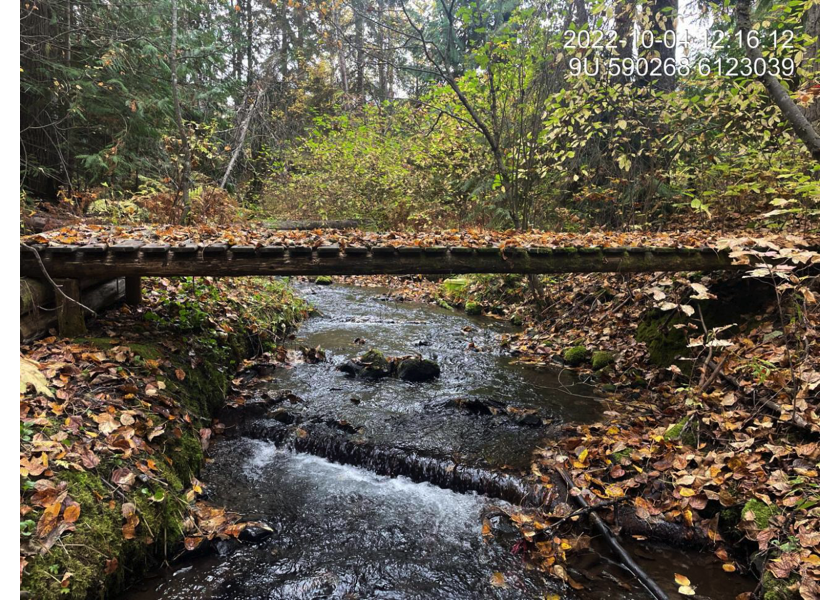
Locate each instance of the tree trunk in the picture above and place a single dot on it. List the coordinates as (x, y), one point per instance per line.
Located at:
(663, 18)
(40, 159)
(241, 137)
(790, 111)
(359, 87)
(812, 57)
(186, 170)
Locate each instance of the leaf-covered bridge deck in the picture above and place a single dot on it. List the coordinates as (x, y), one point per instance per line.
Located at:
(94, 251)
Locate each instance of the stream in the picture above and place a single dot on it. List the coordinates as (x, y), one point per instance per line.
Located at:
(378, 489)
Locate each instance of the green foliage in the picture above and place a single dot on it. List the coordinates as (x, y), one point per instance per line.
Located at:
(382, 165)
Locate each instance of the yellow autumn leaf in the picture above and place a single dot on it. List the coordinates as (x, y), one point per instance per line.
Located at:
(729, 567)
(681, 579)
(686, 590)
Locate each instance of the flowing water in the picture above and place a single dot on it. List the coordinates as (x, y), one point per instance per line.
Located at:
(378, 489)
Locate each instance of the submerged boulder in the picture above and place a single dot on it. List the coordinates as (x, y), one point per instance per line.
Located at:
(417, 369)
(373, 364)
(370, 365)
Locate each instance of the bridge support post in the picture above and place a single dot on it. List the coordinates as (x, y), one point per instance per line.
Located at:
(133, 290)
(71, 318)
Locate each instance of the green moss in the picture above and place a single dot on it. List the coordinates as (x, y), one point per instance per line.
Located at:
(323, 280)
(664, 343)
(146, 351)
(762, 512)
(778, 589)
(680, 431)
(601, 359)
(472, 308)
(444, 304)
(455, 289)
(618, 457)
(516, 319)
(575, 355)
(675, 430)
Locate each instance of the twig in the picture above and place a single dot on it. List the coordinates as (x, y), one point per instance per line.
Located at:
(796, 421)
(53, 283)
(713, 375)
(585, 511)
(649, 584)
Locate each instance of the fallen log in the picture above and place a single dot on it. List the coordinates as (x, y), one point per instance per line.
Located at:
(649, 584)
(36, 324)
(660, 530)
(37, 293)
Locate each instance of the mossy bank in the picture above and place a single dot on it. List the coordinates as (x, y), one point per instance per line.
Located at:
(165, 370)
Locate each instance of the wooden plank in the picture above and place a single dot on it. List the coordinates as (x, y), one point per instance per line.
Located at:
(331, 250)
(383, 250)
(185, 249)
(300, 250)
(216, 248)
(71, 319)
(127, 247)
(61, 249)
(272, 250)
(243, 251)
(155, 248)
(89, 249)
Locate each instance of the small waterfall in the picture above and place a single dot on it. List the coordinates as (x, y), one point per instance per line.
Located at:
(393, 462)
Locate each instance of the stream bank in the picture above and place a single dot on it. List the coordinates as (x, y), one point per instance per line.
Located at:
(114, 427)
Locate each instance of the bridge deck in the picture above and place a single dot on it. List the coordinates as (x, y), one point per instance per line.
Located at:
(98, 252)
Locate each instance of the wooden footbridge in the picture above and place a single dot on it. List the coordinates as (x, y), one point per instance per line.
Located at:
(222, 260)
(108, 256)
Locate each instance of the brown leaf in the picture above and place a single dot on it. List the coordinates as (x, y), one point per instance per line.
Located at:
(123, 477)
(111, 565)
(809, 589)
(72, 512)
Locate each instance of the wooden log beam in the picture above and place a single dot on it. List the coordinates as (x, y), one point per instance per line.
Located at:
(71, 318)
(37, 293)
(157, 260)
(36, 324)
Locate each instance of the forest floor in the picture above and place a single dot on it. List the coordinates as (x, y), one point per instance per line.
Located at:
(712, 387)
